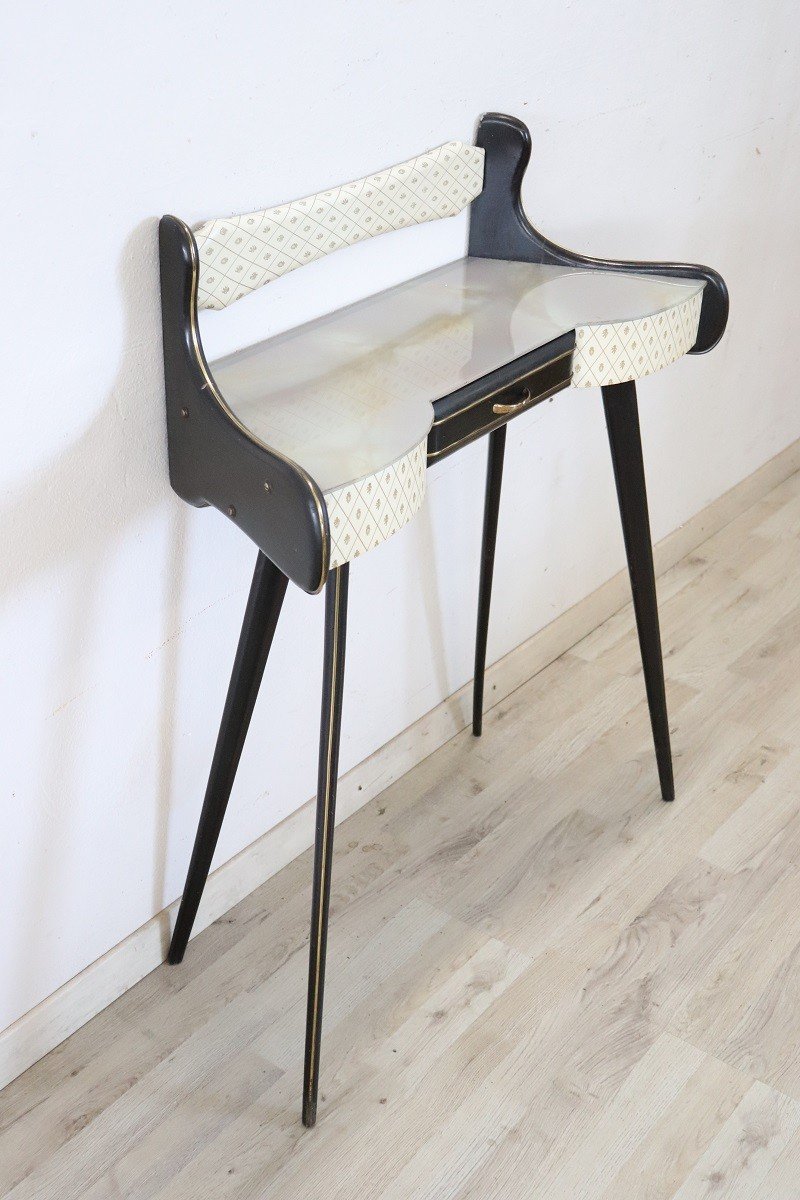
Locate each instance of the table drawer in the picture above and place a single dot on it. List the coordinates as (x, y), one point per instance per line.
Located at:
(481, 407)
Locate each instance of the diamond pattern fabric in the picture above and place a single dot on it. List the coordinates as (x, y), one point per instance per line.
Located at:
(367, 512)
(239, 254)
(625, 350)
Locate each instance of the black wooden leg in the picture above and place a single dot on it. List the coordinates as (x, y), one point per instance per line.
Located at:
(622, 420)
(494, 478)
(332, 687)
(258, 628)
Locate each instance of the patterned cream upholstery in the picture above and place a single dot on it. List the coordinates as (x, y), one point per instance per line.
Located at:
(367, 512)
(624, 350)
(239, 254)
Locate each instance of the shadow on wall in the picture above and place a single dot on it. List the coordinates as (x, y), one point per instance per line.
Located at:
(71, 516)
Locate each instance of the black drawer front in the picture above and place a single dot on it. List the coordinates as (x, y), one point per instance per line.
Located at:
(466, 415)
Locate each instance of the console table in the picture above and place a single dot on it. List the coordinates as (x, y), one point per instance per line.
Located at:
(315, 443)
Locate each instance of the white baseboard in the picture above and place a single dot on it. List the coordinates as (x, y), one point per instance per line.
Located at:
(44, 1027)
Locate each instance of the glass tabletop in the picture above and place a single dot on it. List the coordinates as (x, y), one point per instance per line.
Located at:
(347, 394)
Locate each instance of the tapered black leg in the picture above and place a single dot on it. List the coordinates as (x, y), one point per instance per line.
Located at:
(332, 686)
(491, 508)
(258, 628)
(622, 421)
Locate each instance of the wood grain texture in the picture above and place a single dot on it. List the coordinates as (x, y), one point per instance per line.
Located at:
(46, 1026)
(543, 981)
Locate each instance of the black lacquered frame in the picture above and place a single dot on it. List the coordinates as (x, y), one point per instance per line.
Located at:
(214, 460)
(499, 228)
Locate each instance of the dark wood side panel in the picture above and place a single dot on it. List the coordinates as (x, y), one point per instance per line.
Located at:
(212, 459)
(499, 228)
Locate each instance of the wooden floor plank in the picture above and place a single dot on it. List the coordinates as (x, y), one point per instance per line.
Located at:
(543, 981)
(744, 1151)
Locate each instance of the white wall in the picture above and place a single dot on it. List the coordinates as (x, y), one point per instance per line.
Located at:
(663, 130)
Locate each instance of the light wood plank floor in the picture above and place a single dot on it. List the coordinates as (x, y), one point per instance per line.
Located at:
(543, 981)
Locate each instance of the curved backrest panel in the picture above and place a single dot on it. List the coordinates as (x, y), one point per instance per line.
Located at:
(239, 254)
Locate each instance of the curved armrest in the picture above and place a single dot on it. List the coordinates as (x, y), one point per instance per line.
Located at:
(213, 459)
(499, 228)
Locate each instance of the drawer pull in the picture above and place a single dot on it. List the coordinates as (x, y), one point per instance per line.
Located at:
(503, 410)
